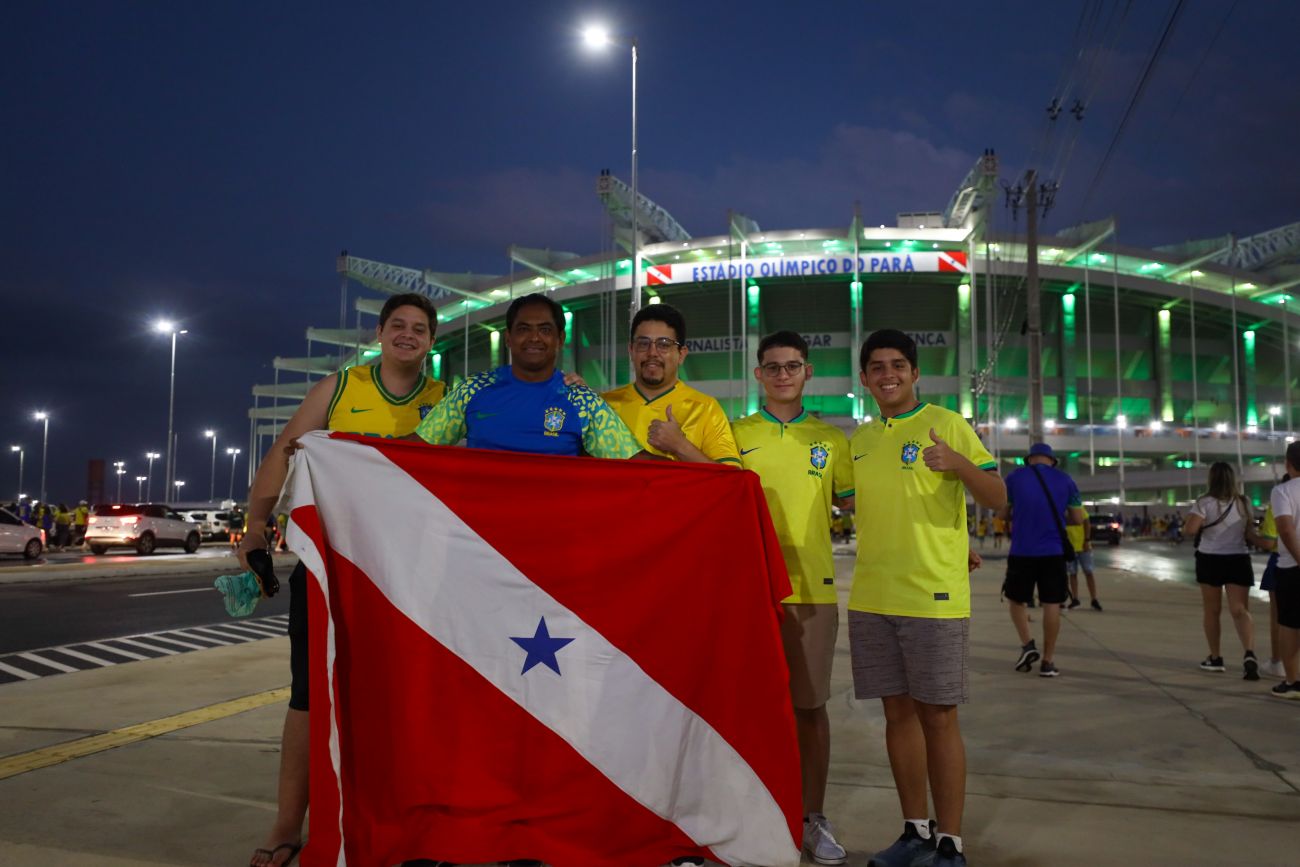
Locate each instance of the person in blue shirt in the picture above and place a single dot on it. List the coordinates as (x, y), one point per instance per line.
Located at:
(525, 406)
(1041, 501)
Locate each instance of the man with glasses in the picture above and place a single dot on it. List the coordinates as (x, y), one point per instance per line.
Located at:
(805, 467)
(667, 416)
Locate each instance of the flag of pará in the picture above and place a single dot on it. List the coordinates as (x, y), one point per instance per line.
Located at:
(515, 656)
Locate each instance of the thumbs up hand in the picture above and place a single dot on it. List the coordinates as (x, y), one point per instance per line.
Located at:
(666, 436)
(940, 457)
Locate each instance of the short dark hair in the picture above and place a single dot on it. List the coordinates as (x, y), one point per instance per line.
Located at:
(557, 312)
(665, 313)
(789, 339)
(888, 338)
(410, 299)
(1293, 454)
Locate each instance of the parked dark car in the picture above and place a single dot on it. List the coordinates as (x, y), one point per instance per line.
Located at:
(1106, 528)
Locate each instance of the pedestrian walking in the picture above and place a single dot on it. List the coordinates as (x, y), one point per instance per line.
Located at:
(1041, 500)
(1222, 523)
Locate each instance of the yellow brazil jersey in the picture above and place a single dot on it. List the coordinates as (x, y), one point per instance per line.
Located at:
(362, 405)
(1075, 533)
(1268, 526)
(700, 416)
(801, 463)
(912, 542)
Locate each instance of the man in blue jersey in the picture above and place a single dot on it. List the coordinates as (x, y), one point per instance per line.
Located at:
(525, 406)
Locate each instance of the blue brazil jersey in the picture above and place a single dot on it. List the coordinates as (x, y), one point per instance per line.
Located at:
(497, 410)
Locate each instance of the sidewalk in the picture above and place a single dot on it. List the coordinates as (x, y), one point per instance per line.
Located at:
(164, 564)
(1132, 756)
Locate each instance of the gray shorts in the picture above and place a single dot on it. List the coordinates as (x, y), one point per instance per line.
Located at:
(1081, 558)
(924, 657)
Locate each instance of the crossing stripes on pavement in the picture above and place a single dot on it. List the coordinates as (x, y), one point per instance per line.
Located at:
(84, 655)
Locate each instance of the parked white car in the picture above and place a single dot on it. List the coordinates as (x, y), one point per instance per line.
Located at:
(212, 524)
(19, 538)
(144, 527)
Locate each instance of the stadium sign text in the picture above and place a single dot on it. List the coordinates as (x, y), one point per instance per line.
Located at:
(939, 261)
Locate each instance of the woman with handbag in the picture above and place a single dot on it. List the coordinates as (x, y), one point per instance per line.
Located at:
(1222, 523)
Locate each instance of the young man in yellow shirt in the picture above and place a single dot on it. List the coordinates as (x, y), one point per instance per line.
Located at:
(667, 416)
(909, 609)
(386, 399)
(806, 468)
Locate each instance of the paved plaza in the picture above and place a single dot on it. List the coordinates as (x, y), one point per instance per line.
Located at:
(1132, 756)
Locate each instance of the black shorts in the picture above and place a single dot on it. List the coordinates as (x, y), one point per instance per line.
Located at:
(1217, 570)
(298, 637)
(1047, 573)
(1287, 593)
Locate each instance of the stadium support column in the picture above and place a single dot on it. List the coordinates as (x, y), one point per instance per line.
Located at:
(1033, 309)
(1248, 356)
(858, 409)
(752, 325)
(1164, 364)
(1069, 370)
(965, 364)
(1236, 375)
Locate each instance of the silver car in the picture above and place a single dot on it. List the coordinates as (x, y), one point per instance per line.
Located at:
(19, 538)
(143, 526)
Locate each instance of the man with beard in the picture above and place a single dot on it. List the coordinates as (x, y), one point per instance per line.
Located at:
(667, 416)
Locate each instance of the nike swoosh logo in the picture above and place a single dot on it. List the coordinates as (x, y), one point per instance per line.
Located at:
(355, 410)
(744, 452)
(485, 414)
(860, 457)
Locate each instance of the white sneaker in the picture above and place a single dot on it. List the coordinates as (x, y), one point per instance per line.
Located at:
(1272, 668)
(819, 841)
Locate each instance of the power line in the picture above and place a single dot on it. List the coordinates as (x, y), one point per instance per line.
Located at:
(1132, 103)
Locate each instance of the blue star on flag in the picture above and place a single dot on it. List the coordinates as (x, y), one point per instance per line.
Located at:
(541, 648)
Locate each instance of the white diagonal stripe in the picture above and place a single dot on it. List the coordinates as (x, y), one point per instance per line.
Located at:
(119, 651)
(32, 657)
(136, 642)
(86, 656)
(605, 706)
(18, 672)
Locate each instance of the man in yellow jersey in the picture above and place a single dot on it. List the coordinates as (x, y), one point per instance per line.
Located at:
(1081, 539)
(909, 609)
(667, 416)
(386, 399)
(806, 468)
(80, 520)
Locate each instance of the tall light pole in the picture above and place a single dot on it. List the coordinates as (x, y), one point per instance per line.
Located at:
(139, 487)
(45, 446)
(120, 466)
(21, 454)
(596, 37)
(234, 454)
(177, 485)
(164, 326)
(212, 480)
(152, 456)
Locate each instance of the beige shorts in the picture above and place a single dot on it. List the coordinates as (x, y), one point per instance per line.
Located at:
(808, 632)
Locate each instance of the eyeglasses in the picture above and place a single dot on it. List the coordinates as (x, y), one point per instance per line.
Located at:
(773, 370)
(663, 344)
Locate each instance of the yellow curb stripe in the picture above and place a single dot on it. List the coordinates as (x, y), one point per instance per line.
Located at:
(21, 763)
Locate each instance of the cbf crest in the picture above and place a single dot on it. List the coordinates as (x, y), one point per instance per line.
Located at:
(425, 409)
(818, 455)
(553, 421)
(911, 450)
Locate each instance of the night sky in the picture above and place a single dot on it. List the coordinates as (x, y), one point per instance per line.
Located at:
(208, 161)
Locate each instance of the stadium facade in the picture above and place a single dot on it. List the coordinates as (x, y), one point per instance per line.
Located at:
(1155, 362)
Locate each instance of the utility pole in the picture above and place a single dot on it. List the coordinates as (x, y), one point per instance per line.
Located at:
(1032, 195)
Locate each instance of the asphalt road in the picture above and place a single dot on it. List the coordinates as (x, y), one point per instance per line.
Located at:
(36, 615)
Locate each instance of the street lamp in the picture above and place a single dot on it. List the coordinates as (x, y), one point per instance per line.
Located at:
(1221, 427)
(164, 326)
(152, 456)
(597, 37)
(1156, 426)
(178, 484)
(212, 480)
(234, 453)
(139, 484)
(45, 446)
(1010, 424)
(21, 455)
(121, 468)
